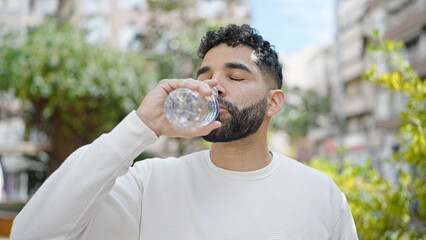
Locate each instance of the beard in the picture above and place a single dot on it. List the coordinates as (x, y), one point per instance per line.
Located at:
(241, 124)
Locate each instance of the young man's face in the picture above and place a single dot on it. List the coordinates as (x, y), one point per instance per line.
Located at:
(242, 91)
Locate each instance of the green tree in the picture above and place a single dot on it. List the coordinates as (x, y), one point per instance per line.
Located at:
(380, 210)
(400, 76)
(72, 91)
(302, 112)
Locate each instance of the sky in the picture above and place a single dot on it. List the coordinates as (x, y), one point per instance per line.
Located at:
(292, 25)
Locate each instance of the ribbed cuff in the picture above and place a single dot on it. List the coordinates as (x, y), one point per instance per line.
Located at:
(131, 137)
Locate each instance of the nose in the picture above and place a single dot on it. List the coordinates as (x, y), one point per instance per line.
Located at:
(220, 88)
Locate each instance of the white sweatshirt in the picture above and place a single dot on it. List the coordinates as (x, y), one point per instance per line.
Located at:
(95, 194)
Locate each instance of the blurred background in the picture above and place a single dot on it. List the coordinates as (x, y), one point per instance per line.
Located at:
(353, 70)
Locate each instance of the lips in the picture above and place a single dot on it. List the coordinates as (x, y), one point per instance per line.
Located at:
(222, 107)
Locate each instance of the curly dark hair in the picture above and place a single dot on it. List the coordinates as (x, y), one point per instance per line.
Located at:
(233, 35)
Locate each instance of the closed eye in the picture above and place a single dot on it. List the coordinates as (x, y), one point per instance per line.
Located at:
(236, 79)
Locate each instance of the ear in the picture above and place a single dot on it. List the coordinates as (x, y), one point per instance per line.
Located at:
(276, 100)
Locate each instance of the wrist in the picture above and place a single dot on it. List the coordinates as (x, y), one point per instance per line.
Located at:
(150, 124)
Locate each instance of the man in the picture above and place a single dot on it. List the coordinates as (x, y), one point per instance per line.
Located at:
(236, 190)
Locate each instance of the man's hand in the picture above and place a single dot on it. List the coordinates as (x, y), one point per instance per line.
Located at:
(151, 110)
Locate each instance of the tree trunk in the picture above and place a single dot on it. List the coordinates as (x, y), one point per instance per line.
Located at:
(61, 147)
(63, 141)
(65, 11)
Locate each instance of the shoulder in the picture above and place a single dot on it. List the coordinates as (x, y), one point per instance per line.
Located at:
(169, 165)
(301, 170)
(304, 178)
(164, 174)
(313, 187)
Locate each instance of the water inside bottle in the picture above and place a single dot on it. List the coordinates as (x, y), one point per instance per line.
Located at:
(184, 107)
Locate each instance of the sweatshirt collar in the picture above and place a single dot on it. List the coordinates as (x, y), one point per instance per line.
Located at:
(240, 175)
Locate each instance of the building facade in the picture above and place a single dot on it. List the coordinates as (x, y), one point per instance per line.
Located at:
(119, 22)
(369, 112)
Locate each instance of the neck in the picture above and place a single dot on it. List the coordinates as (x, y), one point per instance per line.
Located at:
(248, 154)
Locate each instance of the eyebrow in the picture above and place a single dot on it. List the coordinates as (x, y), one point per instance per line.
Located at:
(227, 65)
(237, 66)
(202, 70)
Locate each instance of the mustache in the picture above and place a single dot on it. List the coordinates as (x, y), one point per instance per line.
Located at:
(230, 106)
(234, 110)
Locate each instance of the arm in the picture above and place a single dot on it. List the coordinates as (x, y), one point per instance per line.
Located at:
(345, 227)
(86, 195)
(67, 201)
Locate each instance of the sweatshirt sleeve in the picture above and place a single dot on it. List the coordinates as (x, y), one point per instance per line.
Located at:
(345, 227)
(67, 205)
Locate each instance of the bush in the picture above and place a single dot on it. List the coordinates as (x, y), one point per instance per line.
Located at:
(380, 210)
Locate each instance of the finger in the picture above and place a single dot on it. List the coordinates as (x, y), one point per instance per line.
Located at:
(204, 130)
(212, 82)
(199, 86)
(212, 126)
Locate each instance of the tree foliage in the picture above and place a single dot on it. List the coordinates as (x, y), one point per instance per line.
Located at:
(302, 112)
(166, 5)
(175, 50)
(73, 91)
(400, 76)
(380, 210)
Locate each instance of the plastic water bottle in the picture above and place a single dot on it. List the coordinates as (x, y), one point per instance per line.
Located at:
(184, 108)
